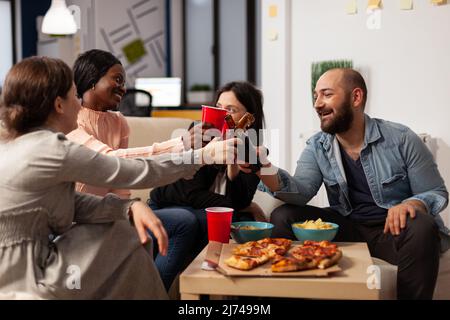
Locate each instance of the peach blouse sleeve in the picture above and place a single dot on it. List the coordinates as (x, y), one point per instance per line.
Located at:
(82, 137)
(171, 146)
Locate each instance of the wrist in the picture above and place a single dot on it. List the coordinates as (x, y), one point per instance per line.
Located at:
(418, 205)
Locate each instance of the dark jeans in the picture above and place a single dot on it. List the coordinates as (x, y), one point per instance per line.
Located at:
(181, 227)
(415, 251)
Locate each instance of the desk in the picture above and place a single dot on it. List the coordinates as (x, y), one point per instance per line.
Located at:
(350, 283)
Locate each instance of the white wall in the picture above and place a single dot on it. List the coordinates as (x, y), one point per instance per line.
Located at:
(258, 42)
(405, 63)
(276, 79)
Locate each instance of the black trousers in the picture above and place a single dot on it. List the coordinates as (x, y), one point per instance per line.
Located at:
(415, 251)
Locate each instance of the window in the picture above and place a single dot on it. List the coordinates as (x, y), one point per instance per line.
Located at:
(6, 38)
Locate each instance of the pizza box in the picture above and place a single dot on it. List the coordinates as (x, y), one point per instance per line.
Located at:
(265, 269)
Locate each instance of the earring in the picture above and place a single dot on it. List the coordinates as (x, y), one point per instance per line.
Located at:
(93, 87)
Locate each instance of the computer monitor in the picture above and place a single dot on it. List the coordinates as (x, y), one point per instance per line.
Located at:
(166, 92)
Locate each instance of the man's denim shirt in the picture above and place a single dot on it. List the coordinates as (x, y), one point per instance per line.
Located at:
(397, 164)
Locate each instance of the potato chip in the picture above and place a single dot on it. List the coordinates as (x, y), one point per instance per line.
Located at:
(314, 225)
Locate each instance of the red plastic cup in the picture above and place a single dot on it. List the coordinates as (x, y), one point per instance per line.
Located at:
(215, 116)
(219, 223)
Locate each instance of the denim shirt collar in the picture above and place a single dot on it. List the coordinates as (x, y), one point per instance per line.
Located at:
(331, 146)
(372, 131)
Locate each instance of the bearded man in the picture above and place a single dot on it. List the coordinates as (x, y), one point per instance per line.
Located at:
(383, 185)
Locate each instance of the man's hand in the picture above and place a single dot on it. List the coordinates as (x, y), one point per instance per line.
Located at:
(144, 218)
(397, 215)
(262, 153)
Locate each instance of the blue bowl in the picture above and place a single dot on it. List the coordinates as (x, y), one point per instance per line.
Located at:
(315, 234)
(241, 235)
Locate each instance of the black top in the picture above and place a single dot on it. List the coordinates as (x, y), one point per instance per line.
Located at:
(361, 200)
(196, 192)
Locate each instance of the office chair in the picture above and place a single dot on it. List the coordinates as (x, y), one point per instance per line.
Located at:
(136, 103)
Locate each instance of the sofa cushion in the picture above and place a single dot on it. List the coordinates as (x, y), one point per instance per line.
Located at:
(388, 272)
(145, 131)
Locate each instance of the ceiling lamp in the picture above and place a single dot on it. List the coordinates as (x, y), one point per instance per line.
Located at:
(59, 20)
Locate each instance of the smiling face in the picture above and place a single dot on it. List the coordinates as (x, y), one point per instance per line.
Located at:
(333, 104)
(229, 102)
(108, 91)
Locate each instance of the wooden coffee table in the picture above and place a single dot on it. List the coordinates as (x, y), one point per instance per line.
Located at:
(350, 283)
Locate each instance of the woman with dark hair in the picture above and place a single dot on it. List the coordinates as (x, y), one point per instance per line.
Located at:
(55, 242)
(220, 185)
(100, 81)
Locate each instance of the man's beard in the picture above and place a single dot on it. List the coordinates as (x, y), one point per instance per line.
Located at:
(342, 120)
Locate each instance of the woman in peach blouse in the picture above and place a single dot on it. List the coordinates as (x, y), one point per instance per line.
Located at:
(100, 80)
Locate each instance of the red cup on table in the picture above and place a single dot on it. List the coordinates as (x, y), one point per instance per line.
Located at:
(214, 116)
(219, 223)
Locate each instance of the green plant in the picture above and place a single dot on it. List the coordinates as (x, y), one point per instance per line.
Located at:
(200, 87)
(319, 68)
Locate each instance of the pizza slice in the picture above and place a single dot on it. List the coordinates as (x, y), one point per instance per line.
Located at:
(279, 242)
(249, 249)
(320, 254)
(275, 246)
(245, 263)
(284, 264)
(268, 246)
(290, 264)
(327, 262)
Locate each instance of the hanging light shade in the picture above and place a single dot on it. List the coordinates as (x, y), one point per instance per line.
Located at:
(59, 20)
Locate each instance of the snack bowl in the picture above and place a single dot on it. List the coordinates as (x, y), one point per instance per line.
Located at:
(315, 234)
(246, 231)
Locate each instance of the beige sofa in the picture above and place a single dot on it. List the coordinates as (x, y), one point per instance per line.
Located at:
(145, 131)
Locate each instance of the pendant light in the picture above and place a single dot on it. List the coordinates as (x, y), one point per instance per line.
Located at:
(59, 20)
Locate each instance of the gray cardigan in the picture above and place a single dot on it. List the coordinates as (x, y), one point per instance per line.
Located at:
(96, 253)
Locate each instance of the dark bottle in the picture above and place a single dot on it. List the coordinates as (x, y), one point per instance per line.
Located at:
(230, 122)
(245, 122)
(247, 151)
